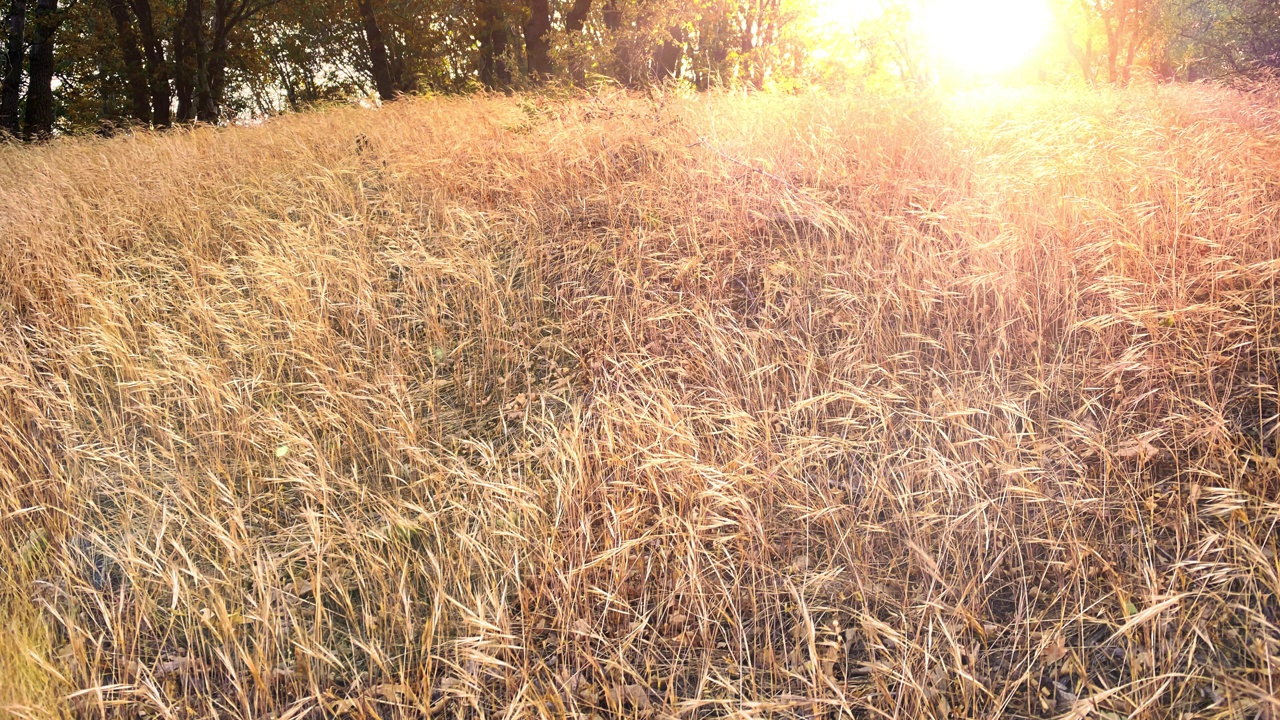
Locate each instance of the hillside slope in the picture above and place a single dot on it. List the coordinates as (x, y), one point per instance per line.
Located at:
(721, 406)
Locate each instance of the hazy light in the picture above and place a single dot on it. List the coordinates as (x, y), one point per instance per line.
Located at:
(842, 14)
(985, 36)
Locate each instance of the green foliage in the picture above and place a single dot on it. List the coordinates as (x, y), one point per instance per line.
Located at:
(285, 55)
(1211, 39)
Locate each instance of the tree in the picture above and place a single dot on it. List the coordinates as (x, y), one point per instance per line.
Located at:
(188, 42)
(38, 121)
(11, 81)
(211, 49)
(1129, 25)
(574, 22)
(491, 32)
(1126, 27)
(135, 74)
(156, 65)
(136, 60)
(377, 53)
(577, 16)
(537, 49)
(1219, 39)
(667, 56)
(634, 31)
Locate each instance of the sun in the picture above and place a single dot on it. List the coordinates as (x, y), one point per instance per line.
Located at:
(966, 37)
(984, 37)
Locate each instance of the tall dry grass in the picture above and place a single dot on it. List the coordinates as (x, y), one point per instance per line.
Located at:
(719, 407)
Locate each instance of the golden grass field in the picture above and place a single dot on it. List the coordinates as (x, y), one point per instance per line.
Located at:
(615, 406)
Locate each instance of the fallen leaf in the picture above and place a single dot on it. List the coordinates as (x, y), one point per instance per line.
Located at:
(1141, 449)
(179, 665)
(1056, 651)
(282, 451)
(342, 706)
(636, 695)
(389, 692)
(281, 675)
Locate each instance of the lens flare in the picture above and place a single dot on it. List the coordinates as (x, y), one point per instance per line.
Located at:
(985, 37)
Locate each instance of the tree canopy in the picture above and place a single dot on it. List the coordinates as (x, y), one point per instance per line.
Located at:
(86, 65)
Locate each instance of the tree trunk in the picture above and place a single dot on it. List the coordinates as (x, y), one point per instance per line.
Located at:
(621, 63)
(750, 62)
(1140, 33)
(536, 47)
(211, 54)
(187, 42)
(576, 18)
(286, 82)
(1164, 66)
(217, 81)
(612, 15)
(1083, 58)
(134, 74)
(377, 53)
(157, 67)
(38, 122)
(1126, 73)
(574, 21)
(1115, 36)
(1112, 52)
(403, 81)
(666, 60)
(493, 46)
(15, 26)
(208, 65)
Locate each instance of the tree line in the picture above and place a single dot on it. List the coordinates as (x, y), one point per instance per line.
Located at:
(1174, 39)
(78, 65)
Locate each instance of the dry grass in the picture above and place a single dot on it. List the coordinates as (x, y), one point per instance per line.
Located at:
(716, 407)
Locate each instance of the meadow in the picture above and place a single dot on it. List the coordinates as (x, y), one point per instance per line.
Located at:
(654, 406)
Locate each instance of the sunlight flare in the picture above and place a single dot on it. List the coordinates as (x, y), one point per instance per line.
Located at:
(984, 37)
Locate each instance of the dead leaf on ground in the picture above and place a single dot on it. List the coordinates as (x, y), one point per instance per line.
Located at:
(635, 695)
(1141, 449)
(1056, 651)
